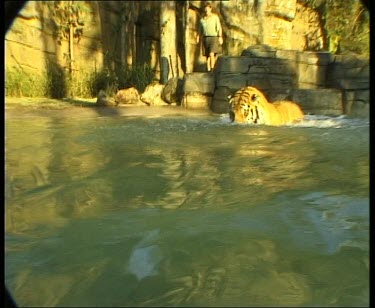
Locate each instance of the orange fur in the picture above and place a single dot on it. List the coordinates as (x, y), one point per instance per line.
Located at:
(249, 105)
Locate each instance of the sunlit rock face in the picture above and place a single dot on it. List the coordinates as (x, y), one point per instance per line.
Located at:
(152, 94)
(280, 24)
(128, 96)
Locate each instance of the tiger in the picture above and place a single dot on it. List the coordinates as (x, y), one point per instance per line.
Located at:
(249, 105)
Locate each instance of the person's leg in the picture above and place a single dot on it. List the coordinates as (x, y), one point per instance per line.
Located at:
(208, 62)
(212, 60)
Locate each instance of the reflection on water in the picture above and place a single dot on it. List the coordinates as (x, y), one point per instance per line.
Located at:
(189, 211)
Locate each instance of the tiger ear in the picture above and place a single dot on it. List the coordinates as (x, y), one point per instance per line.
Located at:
(229, 96)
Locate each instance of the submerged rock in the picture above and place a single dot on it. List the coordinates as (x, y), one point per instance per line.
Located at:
(105, 100)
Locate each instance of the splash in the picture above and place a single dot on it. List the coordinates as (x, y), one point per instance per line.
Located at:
(318, 121)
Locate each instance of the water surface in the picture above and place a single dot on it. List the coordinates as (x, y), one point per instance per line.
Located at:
(186, 211)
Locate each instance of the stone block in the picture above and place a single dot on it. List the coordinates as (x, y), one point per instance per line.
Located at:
(307, 85)
(196, 101)
(338, 71)
(362, 95)
(220, 100)
(260, 51)
(246, 65)
(222, 93)
(282, 83)
(348, 95)
(312, 57)
(359, 110)
(277, 95)
(310, 73)
(353, 84)
(234, 81)
(326, 112)
(350, 60)
(287, 55)
(219, 106)
(348, 99)
(349, 72)
(260, 83)
(319, 101)
(356, 103)
(358, 72)
(199, 83)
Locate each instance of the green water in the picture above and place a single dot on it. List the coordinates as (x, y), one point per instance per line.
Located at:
(186, 211)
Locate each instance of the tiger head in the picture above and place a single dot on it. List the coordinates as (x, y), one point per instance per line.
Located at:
(245, 106)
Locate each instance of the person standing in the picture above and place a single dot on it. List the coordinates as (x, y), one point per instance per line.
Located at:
(211, 32)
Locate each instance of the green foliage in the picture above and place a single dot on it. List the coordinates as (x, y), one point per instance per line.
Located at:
(68, 14)
(18, 83)
(106, 81)
(138, 76)
(80, 84)
(350, 21)
(55, 83)
(55, 86)
(346, 22)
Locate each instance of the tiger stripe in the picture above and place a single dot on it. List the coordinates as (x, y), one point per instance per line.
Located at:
(249, 105)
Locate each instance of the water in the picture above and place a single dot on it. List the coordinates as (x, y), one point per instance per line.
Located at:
(186, 211)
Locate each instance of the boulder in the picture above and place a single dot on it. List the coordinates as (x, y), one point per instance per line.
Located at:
(128, 96)
(105, 100)
(171, 92)
(152, 94)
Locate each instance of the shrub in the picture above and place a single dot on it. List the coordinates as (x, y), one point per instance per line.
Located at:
(138, 76)
(19, 83)
(56, 83)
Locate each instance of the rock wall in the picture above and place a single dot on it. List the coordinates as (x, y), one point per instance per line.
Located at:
(351, 74)
(122, 33)
(198, 89)
(32, 42)
(320, 82)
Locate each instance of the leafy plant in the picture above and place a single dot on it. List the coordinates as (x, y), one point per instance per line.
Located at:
(106, 81)
(69, 19)
(346, 24)
(84, 83)
(69, 14)
(138, 76)
(18, 83)
(56, 85)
